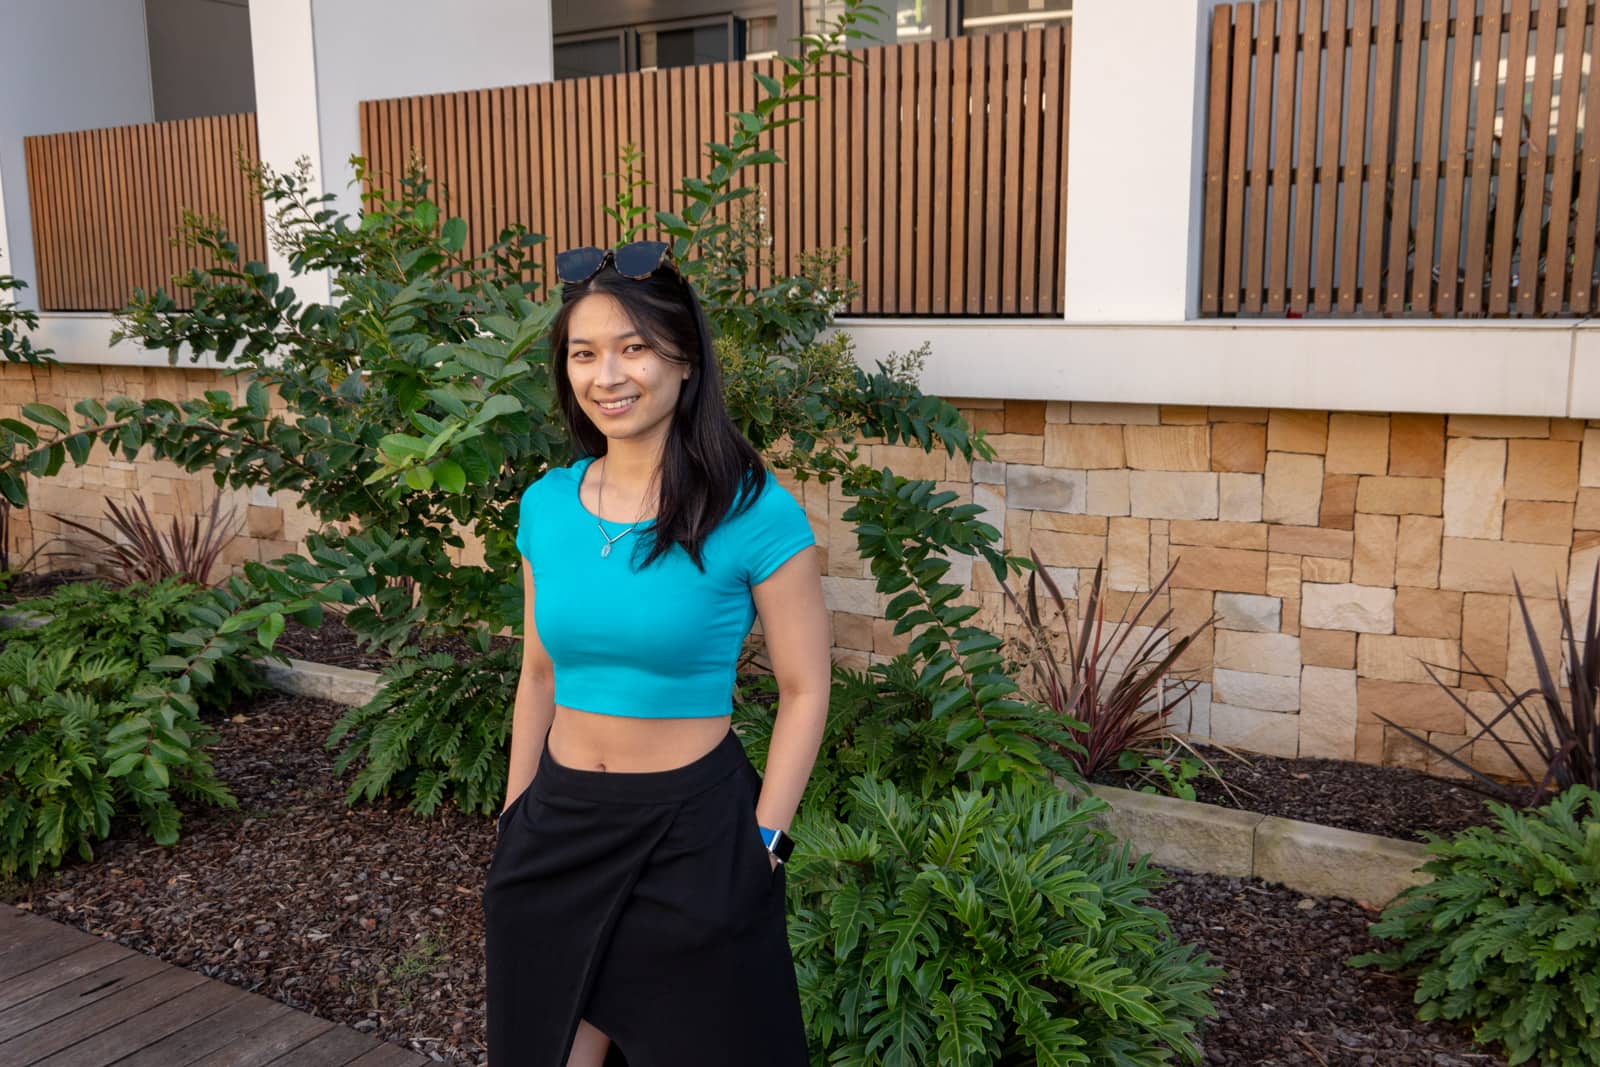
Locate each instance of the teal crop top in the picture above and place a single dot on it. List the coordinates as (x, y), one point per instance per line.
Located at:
(660, 642)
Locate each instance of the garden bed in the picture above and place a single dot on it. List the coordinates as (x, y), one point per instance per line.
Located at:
(371, 917)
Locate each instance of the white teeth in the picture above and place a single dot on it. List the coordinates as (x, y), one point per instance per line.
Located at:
(617, 405)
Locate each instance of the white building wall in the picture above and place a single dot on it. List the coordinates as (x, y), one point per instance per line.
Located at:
(64, 65)
(372, 49)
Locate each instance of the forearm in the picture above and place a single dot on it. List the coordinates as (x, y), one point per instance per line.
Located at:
(796, 736)
(532, 712)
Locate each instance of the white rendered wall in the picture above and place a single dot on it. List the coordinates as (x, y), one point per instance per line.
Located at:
(373, 49)
(64, 65)
(1136, 159)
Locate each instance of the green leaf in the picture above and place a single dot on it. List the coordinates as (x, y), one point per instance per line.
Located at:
(48, 415)
(257, 399)
(454, 234)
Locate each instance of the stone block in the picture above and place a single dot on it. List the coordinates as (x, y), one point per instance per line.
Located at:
(1417, 705)
(1093, 447)
(1258, 653)
(1108, 492)
(1567, 429)
(1498, 426)
(1427, 613)
(1255, 730)
(1247, 689)
(1488, 566)
(1283, 575)
(1218, 534)
(1018, 447)
(1375, 550)
(1416, 446)
(1220, 569)
(1399, 496)
(1117, 414)
(1025, 416)
(1191, 611)
(1167, 448)
(1296, 541)
(1356, 608)
(1542, 470)
(1401, 659)
(264, 521)
(1182, 834)
(1326, 571)
(1057, 411)
(1339, 501)
(1417, 547)
(1327, 648)
(1193, 714)
(1328, 862)
(339, 685)
(1068, 550)
(1128, 554)
(1521, 673)
(1238, 447)
(1484, 637)
(1242, 611)
(989, 473)
(1589, 471)
(858, 596)
(1046, 488)
(1292, 492)
(1183, 415)
(1061, 522)
(1475, 488)
(909, 462)
(852, 631)
(1239, 497)
(1538, 522)
(1328, 713)
(887, 643)
(1254, 416)
(1358, 444)
(1587, 514)
(1581, 581)
(1173, 494)
(1297, 431)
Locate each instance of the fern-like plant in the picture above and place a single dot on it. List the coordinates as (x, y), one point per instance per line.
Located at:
(983, 927)
(437, 729)
(1507, 935)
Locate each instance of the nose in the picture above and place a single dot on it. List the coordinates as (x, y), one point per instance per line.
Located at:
(608, 373)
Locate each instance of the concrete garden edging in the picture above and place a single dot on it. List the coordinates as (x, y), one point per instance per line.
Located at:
(1307, 857)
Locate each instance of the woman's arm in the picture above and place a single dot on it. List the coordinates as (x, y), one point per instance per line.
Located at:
(799, 639)
(535, 705)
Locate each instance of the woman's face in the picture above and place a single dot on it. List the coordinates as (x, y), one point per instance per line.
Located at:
(628, 390)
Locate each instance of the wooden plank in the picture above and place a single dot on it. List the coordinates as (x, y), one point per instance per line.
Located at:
(45, 1025)
(1557, 281)
(1279, 181)
(1238, 157)
(333, 1047)
(923, 133)
(38, 943)
(120, 218)
(268, 1042)
(40, 219)
(386, 1055)
(827, 173)
(994, 218)
(1433, 118)
(1327, 206)
(1455, 162)
(1032, 144)
(846, 145)
(1538, 151)
(1352, 186)
(939, 223)
(127, 1036)
(1585, 296)
(903, 112)
(1405, 148)
(1053, 160)
(1260, 142)
(961, 104)
(1372, 270)
(59, 971)
(874, 232)
(1506, 200)
(1216, 189)
(247, 1012)
(1475, 263)
(1010, 158)
(1305, 173)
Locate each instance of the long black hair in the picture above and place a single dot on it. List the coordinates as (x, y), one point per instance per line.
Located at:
(707, 464)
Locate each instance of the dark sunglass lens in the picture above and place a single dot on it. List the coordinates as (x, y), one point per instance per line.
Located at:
(579, 264)
(640, 258)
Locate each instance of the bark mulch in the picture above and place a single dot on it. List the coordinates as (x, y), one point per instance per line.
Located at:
(1390, 801)
(334, 644)
(372, 917)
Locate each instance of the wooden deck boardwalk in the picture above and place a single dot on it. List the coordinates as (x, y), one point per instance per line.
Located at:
(69, 999)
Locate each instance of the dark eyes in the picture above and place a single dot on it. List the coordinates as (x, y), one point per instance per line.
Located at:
(630, 350)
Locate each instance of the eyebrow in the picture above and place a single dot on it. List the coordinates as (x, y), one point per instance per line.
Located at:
(619, 337)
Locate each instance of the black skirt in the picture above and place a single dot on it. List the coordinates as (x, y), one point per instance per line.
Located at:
(646, 904)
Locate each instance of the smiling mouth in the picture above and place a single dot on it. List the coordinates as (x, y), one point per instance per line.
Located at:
(617, 405)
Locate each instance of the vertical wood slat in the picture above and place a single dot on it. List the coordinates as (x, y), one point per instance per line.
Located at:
(1455, 163)
(1238, 144)
(1394, 283)
(1538, 142)
(104, 203)
(1327, 184)
(1505, 216)
(1557, 284)
(1260, 143)
(1586, 231)
(1472, 301)
(1309, 44)
(1277, 265)
(1433, 123)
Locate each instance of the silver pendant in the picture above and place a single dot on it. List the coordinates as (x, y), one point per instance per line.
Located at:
(606, 551)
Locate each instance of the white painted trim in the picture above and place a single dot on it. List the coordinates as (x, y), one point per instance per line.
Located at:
(5, 245)
(1535, 368)
(85, 338)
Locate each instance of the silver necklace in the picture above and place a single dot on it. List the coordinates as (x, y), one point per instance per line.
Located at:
(600, 496)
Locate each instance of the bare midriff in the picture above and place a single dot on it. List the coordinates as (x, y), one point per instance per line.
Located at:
(585, 741)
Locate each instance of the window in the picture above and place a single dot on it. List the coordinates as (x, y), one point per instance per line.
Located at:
(761, 37)
(914, 20)
(713, 41)
(998, 16)
(588, 55)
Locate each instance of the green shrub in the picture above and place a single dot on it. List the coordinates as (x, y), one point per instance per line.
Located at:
(1507, 935)
(99, 721)
(983, 927)
(438, 728)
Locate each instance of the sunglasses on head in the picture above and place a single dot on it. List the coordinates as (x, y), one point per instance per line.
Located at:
(636, 260)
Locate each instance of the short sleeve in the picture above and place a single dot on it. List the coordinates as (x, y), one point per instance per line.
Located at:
(777, 529)
(526, 514)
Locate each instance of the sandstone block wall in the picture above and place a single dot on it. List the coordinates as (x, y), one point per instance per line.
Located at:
(1341, 554)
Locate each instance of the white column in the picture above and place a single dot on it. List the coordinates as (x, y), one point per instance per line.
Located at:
(1136, 159)
(283, 49)
(5, 245)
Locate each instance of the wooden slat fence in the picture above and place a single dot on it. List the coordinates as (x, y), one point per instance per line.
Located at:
(106, 203)
(1402, 157)
(939, 167)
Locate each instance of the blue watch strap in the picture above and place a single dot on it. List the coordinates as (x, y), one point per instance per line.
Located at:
(767, 835)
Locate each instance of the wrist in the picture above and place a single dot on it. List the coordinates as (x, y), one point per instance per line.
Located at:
(777, 842)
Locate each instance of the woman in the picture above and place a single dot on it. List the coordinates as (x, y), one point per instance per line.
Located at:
(634, 906)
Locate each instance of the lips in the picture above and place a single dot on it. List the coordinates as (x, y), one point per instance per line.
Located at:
(617, 407)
